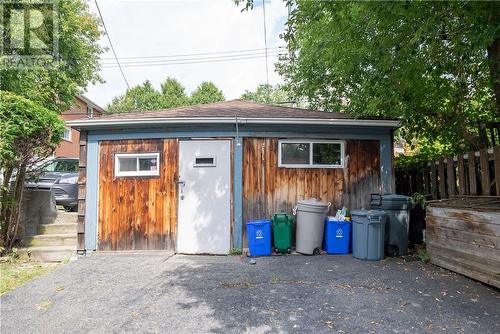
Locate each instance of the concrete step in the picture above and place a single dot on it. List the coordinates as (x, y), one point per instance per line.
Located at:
(57, 228)
(64, 239)
(50, 253)
(66, 217)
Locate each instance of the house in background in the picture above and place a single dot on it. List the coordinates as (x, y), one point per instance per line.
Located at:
(187, 179)
(70, 144)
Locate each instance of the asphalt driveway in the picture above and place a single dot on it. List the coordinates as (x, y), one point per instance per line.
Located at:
(157, 292)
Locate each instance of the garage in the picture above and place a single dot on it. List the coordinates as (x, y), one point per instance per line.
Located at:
(187, 179)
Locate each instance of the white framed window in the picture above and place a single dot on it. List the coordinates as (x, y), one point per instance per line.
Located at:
(311, 153)
(67, 134)
(90, 111)
(137, 164)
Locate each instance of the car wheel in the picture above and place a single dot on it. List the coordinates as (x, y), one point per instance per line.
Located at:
(70, 208)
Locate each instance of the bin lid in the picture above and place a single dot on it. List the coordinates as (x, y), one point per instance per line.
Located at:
(312, 205)
(312, 202)
(259, 222)
(367, 213)
(332, 220)
(390, 202)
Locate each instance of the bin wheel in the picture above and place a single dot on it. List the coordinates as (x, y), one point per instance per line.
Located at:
(289, 250)
(276, 250)
(316, 251)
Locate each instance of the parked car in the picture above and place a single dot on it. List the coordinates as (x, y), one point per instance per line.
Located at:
(60, 175)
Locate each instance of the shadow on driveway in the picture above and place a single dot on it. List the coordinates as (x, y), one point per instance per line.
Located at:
(155, 292)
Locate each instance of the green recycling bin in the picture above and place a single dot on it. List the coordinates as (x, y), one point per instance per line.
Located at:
(282, 232)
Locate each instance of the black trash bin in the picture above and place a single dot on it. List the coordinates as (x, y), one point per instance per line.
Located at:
(397, 208)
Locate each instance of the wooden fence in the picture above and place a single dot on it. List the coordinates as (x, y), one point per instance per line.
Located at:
(474, 173)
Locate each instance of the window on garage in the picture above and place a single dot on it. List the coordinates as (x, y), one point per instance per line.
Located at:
(137, 164)
(310, 153)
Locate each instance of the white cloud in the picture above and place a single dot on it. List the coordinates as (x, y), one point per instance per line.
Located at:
(148, 28)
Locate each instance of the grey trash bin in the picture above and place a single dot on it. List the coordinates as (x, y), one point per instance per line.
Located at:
(368, 230)
(397, 208)
(310, 225)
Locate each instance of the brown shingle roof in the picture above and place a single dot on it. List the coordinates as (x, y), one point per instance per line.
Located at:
(239, 108)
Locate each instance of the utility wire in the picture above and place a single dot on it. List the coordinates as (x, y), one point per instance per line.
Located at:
(188, 60)
(196, 54)
(265, 39)
(147, 64)
(249, 54)
(111, 44)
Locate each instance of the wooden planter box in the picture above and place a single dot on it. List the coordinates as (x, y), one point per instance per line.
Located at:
(463, 235)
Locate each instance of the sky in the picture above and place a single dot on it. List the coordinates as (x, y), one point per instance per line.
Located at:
(172, 28)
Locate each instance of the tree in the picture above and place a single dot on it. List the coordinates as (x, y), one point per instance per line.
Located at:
(138, 98)
(207, 92)
(28, 135)
(434, 64)
(174, 94)
(145, 97)
(55, 88)
(267, 94)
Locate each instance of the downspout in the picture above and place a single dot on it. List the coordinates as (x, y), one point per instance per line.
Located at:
(237, 236)
(237, 138)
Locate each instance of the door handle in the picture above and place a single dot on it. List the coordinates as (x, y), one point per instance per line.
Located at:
(181, 184)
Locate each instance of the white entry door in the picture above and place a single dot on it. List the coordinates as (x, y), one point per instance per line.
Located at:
(204, 183)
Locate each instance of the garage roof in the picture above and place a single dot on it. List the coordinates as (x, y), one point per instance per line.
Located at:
(230, 112)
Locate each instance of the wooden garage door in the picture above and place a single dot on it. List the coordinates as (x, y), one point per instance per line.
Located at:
(137, 212)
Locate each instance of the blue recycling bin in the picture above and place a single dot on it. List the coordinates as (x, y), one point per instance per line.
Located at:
(259, 237)
(337, 236)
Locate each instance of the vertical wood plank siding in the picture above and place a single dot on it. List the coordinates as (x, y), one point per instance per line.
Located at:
(268, 189)
(137, 212)
(82, 184)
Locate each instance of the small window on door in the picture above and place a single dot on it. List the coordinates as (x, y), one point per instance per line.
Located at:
(204, 162)
(137, 164)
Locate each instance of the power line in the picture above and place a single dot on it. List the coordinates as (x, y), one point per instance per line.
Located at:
(276, 52)
(111, 44)
(147, 64)
(193, 58)
(196, 54)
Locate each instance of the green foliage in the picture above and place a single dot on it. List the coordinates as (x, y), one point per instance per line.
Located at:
(235, 251)
(418, 199)
(207, 92)
(13, 255)
(16, 272)
(248, 4)
(138, 98)
(174, 94)
(268, 94)
(28, 131)
(430, 63)
(145, 97)
(423, 255)
(56, 88)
